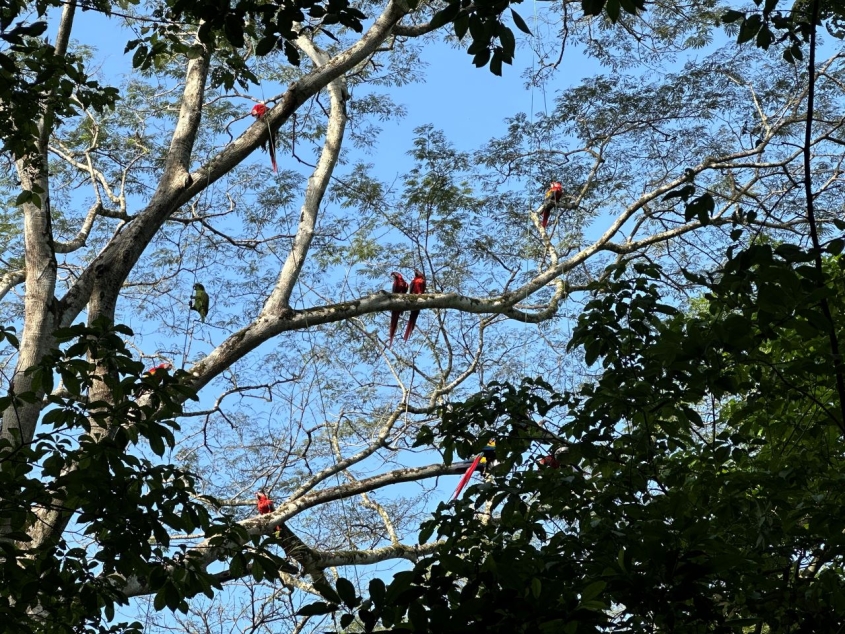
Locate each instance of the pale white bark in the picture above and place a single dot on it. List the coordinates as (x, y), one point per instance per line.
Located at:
(177, 186)
(81, 237)
(376, 555)
(318, 182)
(10, 280)
(40, 306)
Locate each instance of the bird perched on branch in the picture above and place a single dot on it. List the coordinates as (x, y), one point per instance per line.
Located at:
(553, 196)
(417, 288)
(399, 286)
(153, 377)
(158, 372)
(199, 302)
(481, 462)
(265, 505)
(258, 111)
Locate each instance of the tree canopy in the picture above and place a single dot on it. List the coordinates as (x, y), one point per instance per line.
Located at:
(187, 323)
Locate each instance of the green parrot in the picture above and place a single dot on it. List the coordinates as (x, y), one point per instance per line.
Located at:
(199, 302)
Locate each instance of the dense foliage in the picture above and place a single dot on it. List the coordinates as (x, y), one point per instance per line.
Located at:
(701, 483)
(675, 465)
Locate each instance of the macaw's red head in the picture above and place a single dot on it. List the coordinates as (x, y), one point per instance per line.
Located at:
(265, 504)
(161, 367)
(556, 187)
(549, 461)
(259, 110)
(418, 283)
(399, 283)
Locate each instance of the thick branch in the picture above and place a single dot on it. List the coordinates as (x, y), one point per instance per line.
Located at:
(206, 554)
(121, 255)
(317, 184)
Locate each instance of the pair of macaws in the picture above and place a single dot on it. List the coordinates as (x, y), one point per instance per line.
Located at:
(258, 111)
(400, 286)
(553, 196)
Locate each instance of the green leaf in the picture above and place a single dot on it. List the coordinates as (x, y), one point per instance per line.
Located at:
(592, 7)
(764, 37)
(520, 23)
(508, 41)
(732, 16)
(592, 591)
(265, 45)
(316, 609)
(377, 592)
(346, 591)
(749, 28)
(445, 15)
(461, 25)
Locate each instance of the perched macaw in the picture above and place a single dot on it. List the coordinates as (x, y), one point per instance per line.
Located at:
(199, 302)
(549, 461)
(417, 288)
(553, 196)
(159, 372)
(265, 505)
(258, 111)
(153, 377)
(480, 462)
(399, 286)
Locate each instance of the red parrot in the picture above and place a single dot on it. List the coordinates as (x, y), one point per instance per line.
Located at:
(258, 111)
(548, 461)
(265, 505)
(417, 288)
(162, 368)
(399, 286)
(553, 196)
(153, 376)
(467, 475)
(485, 458)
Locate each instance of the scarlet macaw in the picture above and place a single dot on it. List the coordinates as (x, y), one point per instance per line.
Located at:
(153, 376)
(482, 460)
(199, 302)
(417, 288)
(548, 461)
(265, 505)
(553, 196)
(399, 286)
(159, 372)
(258, 111)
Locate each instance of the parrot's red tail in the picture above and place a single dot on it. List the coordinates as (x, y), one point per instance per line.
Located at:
(394, 323)
(465, 478)
(412, 322)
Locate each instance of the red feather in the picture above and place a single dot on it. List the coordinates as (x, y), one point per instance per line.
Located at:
(553, 196)
(258, 111)
(399, 286)
(265, 504)
(417, 288)
(465, 478)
